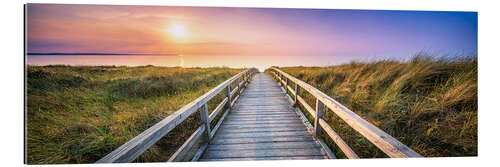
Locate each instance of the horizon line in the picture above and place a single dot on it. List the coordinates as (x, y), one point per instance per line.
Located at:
(95, 53)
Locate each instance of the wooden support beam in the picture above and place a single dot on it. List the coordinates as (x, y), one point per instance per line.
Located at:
(205, 121)
(228, 95)
(319, 113)
(297, 91)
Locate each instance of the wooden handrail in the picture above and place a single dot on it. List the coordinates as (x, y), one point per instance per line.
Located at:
(385, 142)
(137, 145)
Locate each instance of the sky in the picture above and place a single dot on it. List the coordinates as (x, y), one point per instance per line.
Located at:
(248, 32)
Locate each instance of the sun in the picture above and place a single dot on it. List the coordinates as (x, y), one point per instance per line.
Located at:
(178, 30)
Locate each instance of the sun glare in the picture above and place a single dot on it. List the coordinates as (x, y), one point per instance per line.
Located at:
(182, 61)
(178, 30)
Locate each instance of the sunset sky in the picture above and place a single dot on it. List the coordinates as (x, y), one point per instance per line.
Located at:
(201, 31)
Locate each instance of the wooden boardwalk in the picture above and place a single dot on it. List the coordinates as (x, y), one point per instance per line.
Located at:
(257, 122)
(263, 126)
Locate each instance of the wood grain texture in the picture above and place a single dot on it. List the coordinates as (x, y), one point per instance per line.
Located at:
(385, 142)
(267, 158)
(263, 126)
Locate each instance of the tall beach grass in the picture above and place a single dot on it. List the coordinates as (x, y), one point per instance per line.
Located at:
(428, 103)
(78, 114)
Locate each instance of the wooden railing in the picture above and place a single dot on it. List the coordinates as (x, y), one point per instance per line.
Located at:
(132, 149)
(386, 143)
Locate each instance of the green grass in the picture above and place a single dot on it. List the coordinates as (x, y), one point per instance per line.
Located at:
(79, 114)
(429, 104)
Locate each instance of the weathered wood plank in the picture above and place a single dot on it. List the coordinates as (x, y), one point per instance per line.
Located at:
(266, 116)
(235, 126)
(259, 146)
(261, 140)
(265, 129)
(261, 113)
(263, 134)
(385, 142)
(268, 158)
(228, 122)
(265, 119)
(263, 153)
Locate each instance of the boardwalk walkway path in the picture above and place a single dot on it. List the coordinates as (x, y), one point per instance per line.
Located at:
(263, 126)
(259, 123)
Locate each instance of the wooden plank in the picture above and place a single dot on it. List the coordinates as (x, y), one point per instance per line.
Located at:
(336, 138)
(263, 134)
(261, 140)
(280, 107)
(385, 142)
(181, 152)
(259, 146)
(268, 115)
(262, 153)
(265, 129)
(133, 148)
(228, 122)
(255, 95)
(236, 126)
(250, 113)
(267, 158)
(265, 119)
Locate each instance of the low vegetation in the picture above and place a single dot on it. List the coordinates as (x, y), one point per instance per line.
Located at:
(429, 104)
(79, 114)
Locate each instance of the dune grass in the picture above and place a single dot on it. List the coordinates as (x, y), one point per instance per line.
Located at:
(429, 104)
(78, 114)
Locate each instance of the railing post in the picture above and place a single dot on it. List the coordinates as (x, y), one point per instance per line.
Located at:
(228, 95)
(286, 84)
(238, 85)
(296, 94)
(205, 121)
(244, 78)
(319, 113)
(279, 76)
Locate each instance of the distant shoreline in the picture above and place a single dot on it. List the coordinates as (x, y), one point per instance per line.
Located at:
(93, 54)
